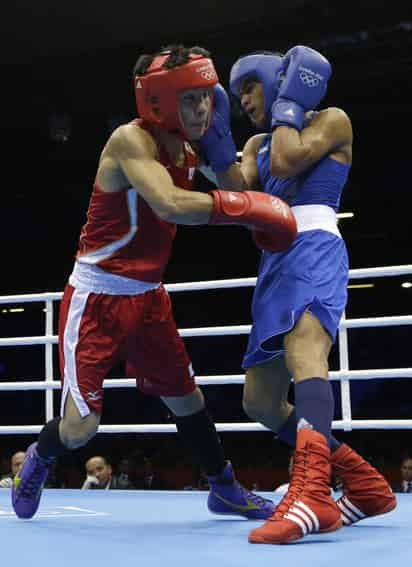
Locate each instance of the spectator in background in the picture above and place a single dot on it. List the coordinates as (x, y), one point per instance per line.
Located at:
(406, 477)
(123, 469)
(138, 475)
(54, 479)
(200, 481)
(99, 476)
(150, 480)
(16, 462)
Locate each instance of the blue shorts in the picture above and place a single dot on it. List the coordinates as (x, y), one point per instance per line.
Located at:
(312, 275)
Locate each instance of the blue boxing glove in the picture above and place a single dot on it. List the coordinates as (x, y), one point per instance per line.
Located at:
(217, 143)
(304, 85)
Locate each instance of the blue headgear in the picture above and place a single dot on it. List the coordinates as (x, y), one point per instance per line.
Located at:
(267, 68)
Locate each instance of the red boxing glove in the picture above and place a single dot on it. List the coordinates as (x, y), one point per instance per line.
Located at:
(270, 218)
(272, 243)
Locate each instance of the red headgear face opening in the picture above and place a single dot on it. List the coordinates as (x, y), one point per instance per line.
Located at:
(157, 91)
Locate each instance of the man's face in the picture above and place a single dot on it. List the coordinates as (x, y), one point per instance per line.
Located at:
(17, 462)
(252, 99)
(406, 469)
(96, 466)
(195, 105)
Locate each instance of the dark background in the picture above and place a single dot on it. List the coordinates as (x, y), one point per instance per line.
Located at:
(66, 83)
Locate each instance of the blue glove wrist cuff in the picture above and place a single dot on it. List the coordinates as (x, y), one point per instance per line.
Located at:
(220, 152)
(227, 155)
(287, 113)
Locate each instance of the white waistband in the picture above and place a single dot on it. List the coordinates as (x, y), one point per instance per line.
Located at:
(316, 217)
(90, 278)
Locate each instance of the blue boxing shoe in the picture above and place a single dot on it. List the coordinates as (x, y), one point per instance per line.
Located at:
(228, 497)
(28, 483)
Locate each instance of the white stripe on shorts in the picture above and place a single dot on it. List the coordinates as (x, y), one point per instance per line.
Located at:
(70, 340)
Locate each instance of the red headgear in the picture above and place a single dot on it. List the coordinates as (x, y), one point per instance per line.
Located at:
(158, 89)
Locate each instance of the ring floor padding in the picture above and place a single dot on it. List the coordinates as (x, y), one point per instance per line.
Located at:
(174, 529)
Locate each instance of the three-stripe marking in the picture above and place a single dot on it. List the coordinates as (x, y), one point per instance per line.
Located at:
(349, 512)
(303, 516)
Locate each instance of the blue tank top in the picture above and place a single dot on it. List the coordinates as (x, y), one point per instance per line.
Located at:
(321, 184)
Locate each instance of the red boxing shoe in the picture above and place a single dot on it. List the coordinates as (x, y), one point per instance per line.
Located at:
(365, 492)
(307, 506)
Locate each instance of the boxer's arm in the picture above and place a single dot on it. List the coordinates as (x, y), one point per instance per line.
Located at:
(293, 152)
(240, 176)
(135, 153)
(232, 179)
(269, 217)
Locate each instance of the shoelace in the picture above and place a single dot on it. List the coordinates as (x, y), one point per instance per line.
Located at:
(297, 483)
(295, 486)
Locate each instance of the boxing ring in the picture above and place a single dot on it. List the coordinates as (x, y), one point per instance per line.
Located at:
(76, 527)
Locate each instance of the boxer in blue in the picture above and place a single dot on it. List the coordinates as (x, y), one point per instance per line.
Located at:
(303, 157)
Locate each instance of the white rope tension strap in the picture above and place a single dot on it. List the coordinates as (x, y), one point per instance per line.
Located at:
(344, 375)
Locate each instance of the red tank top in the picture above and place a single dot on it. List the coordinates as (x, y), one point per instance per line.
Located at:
(123, 235)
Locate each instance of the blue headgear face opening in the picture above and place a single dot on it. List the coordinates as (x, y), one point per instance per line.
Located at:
(267, 68)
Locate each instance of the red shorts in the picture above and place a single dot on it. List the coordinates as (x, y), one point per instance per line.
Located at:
(96, 331)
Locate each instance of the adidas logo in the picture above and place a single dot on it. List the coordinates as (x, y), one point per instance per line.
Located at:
(304, 517)
(350, 514)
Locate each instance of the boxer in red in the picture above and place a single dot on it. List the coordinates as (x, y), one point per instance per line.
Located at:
(114, 306)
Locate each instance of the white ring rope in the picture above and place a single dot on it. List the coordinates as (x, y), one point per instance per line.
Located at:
(222, 427)
(217, 380)
(344, 375)
(225, 330)
(359, 273)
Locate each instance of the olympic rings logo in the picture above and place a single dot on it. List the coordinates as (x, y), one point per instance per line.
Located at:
(308, 80)
(208, 75)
